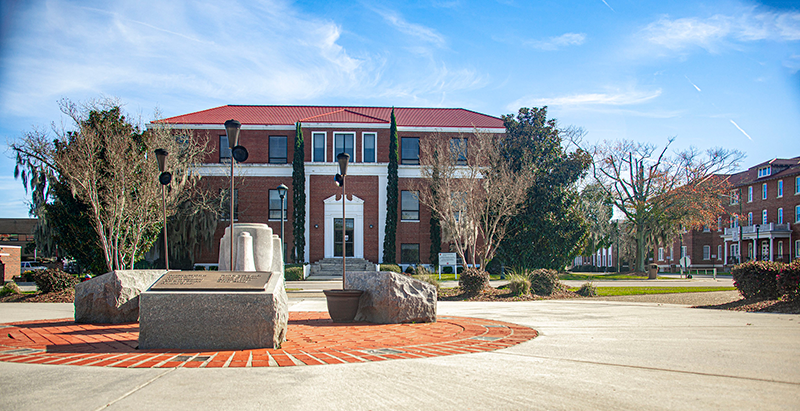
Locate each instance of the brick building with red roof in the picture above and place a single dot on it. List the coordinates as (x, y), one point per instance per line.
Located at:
(268, 133)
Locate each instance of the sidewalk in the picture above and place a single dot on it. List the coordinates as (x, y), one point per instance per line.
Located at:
(588, 355)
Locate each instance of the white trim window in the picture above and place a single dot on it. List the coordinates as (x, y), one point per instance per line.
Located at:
(224, 150)
(319, 147)
(796, 248)
(369, 147)
(719, 223)
(764, 171)
(780, 249)
(780, 188)
(735, 197)
(275, 205)
(660, 253)
(719, 252)
(764, 191)
(750, 218)
(344, 142)
(763, 216)
(797, 214)
(706, 252)
(750, 194)
(409, 206)
(797, 185)
(780, 216)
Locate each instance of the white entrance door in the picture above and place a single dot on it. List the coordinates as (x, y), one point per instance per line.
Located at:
(354, 211)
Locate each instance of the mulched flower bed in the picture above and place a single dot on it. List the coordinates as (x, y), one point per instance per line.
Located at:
(501, 294)
(65, 296)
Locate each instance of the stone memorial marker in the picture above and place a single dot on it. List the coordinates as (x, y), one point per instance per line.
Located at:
(212, 281)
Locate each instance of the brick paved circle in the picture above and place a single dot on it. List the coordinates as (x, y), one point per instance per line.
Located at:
(312, 339)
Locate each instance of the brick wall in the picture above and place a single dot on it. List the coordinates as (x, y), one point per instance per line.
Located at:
(10, 264)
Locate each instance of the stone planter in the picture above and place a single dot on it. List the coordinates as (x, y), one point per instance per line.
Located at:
(342, 304)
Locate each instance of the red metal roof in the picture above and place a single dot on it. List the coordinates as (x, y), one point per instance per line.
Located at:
(289, 115)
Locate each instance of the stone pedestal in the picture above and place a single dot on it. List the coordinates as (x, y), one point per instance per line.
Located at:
(391, 298)
(260, 247)
(214, 320)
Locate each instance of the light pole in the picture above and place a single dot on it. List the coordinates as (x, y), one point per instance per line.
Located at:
(164, 178)
(343, 158)
(232, 128)
(282, 189)
(756, 245)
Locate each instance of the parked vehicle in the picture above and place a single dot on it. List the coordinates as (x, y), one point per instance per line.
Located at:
(30, 265)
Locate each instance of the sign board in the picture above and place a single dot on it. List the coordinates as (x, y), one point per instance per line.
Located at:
(685, 262)
(212, 281)
(447, 259)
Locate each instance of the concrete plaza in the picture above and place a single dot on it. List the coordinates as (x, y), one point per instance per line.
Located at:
(589, 355)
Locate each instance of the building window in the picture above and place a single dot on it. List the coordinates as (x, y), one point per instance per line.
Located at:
(719, 223)
(780, 188)
(797, 185)
(409, 150)
(224, 150)
(797, 214)
(660, 253)
(719, 252)
(278, 153)
(458, 149)
(750, 218)
(764, 171)
(780, 216)
(763, 216)
(780, 250)
(706, 228)
(734, 197)
(409, 206)
(344, 142)
(683, 251)
(318, 143)
(275, 205)
(735, 250)
(368, 146)
(750, 194)
(225, 212)
(796, 248)
(706, 252)
(764, 191)
(409, 254)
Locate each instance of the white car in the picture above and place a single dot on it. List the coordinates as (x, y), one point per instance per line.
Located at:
(31, 265)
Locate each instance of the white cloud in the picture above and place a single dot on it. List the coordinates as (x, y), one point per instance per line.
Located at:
(421, 32)
(719, 30)
(618, 98)
(554, 43)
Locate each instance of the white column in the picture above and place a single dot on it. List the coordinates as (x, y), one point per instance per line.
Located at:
(382, 181)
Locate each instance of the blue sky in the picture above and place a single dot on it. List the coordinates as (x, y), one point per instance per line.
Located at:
(712, 73)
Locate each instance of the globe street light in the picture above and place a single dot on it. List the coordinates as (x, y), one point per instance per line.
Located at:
(232, 128)
(282, 189)
(164, 178)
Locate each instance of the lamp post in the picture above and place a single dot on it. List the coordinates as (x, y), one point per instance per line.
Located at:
(756, 244)
(164, 178)
(282, 189)
(232, 128)
(343, 158)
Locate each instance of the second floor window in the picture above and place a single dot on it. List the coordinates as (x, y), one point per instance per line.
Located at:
(750, 194)
(225, 211)
(780, 188)
(318, 147)
(369, 142)
(780, 216)
(224, 150)
(344, 142)
(764, 191)
(458, 149)
(278, 153)
(409, 206)
(409, 150)
(764, 217)
(750, 218)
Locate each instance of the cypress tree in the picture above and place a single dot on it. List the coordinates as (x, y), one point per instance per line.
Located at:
(299, 196)
(390, 231)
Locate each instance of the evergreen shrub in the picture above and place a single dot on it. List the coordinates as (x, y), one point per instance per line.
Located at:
(473, 280)
(544, 281)
(53, 280)
(293, 272)
(789, 279)
(757, 279)
(391, 267)
(588, 290)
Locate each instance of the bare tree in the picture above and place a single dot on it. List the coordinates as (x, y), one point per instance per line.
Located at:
(471, 188)
(108, 164)
(658, 193)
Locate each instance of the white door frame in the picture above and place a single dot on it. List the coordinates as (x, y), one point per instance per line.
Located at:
(354, 209)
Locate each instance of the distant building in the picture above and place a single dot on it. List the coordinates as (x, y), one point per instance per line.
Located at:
(9, 262)
(17, 232)
(268, 133)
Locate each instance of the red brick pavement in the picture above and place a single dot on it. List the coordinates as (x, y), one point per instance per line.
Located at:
(312, 339)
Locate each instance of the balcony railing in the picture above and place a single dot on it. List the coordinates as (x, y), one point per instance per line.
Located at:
(763, 229)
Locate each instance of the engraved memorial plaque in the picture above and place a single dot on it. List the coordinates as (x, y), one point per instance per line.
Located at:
(212, 281)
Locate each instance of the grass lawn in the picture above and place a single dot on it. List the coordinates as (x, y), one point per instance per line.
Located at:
(602, 276)
(610, 291)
